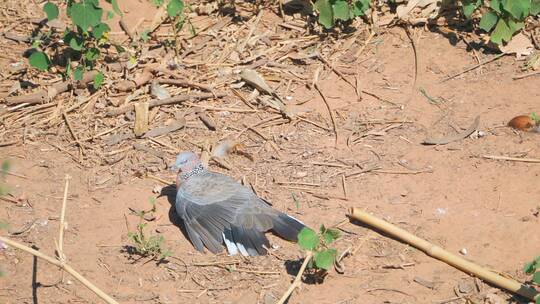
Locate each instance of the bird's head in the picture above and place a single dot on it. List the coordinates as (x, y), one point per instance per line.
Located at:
(186, 165)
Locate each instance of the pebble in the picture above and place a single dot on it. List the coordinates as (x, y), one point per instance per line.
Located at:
(465, 287)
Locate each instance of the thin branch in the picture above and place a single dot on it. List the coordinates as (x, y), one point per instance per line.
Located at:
(329, 110)
(297, 280)
(516, 159)
(61, 255)
(473, 67)
(63, 266)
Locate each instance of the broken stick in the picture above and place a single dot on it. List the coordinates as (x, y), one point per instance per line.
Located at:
(166, 101)
(445, 256)
(46, 94)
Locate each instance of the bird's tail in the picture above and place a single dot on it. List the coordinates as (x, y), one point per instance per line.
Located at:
(287, 226)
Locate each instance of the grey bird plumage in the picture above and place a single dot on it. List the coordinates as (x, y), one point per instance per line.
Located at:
(218, 211)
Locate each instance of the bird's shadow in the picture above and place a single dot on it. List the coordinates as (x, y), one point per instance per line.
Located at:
(311, 276)
(170, 192)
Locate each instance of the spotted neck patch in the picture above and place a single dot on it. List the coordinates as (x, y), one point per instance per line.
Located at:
(198, 169)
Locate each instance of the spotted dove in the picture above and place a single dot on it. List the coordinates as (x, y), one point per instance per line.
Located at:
(217, 210)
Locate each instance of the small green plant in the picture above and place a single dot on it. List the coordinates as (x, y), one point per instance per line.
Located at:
(502, 18)
(3, 171)
(533, 267)
(176, 15)
(535, 118)
(144, 245)
(79, 47)
(318, 244)
(333, 11)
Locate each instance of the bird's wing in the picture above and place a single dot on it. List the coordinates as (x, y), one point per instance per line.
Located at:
(217, 209)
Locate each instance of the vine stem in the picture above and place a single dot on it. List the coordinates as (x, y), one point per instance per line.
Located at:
(297, 281)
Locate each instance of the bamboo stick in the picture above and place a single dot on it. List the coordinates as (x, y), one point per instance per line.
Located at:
(445, 256)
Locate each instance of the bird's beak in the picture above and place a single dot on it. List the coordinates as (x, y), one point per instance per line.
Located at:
(173, 168)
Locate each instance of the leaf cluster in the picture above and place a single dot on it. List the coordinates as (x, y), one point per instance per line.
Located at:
(82, 44)
(533, 267)
(333, 11)
(318, 243)
(503, 18)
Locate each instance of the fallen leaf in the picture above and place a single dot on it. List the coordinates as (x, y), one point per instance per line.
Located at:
(158, 91)
(520, 45)
(430, 8)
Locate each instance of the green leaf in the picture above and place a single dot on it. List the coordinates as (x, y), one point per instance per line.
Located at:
(3, 190)
(116, 8)
(488, 21)
(68, 68)
(75, 41)
(326, 17)
(536, 277)
(515, 25)
(91, 54)
(295, 200)
(192, 29)
(535, 7)
(36, 43)
(39, 60)
(308, 239)
(119, 48)
(158, 3)
(359, 8)
(536, 119)
(519, 9)
(175, 8)
(341, 10)
(5, 167)
(529, 267)
(51, 10)
(469, 6)
(110, 15)
(144, 35)
(496, 5)
(180, 23)
(78, 73)
(85, 14)
(502, 32)
(100, 29)
(330, 235)
(325, 259)
(537, 300)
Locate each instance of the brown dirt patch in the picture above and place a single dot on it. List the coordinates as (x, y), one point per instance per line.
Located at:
(460, 201)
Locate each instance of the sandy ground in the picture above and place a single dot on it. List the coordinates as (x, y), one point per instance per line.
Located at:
(448, 194)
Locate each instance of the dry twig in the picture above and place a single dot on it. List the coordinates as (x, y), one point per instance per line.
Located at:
(297, 280)
(167, 101)
(516, 159)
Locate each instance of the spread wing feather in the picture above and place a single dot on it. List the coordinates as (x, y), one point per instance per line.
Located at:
(216, 209)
